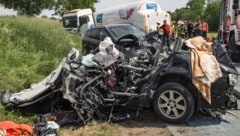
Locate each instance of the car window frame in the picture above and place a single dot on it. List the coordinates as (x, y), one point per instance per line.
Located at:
(105, 31)
(92, 36)
(127, 26)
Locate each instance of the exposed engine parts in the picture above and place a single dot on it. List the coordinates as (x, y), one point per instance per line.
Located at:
(144, 75)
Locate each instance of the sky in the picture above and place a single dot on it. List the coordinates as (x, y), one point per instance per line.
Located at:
(167, 5)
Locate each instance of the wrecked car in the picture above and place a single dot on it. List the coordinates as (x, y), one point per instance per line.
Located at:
(100, 85)
(116, 32)
(95, 35)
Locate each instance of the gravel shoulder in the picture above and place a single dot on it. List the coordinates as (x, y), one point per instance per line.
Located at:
(146, 125)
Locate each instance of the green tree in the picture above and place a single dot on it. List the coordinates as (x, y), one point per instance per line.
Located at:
(34, 7)
(27, 7)
(197, 9)
(194, 10)
(181, 14)
(62, 5)
(208, 10)
(212, 14)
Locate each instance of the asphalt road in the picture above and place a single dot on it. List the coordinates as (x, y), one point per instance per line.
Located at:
(204, 125)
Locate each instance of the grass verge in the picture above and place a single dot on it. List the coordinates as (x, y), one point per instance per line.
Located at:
(30, 48)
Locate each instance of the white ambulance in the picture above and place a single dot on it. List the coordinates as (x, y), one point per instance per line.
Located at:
(143, 14)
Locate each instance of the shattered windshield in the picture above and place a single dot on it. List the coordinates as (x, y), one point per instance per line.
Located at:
(122, 30)
(70, 22)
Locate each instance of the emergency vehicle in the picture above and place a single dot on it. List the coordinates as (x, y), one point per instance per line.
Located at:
(229, 28)
(78, 20)
(144, 14)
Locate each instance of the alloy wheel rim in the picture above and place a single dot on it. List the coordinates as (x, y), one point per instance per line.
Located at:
(172, 104)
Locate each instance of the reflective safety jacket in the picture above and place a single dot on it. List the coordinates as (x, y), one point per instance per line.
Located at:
(205, 27)
(160, 31)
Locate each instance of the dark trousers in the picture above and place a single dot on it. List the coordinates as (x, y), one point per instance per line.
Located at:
(190, 34)
(165, 39)
(204, 34)
(198, 32)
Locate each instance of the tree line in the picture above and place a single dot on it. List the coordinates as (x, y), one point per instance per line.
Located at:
(35, 7)
(207, 10)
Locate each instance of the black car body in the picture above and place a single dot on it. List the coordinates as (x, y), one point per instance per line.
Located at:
(94, 36)
(175, 73)
(166, 86)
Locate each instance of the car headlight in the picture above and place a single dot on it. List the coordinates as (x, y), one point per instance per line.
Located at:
(233, 79)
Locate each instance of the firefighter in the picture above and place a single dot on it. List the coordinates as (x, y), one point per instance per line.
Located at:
(190, 29)
(173, 30)
(181, 29)
(204, 29)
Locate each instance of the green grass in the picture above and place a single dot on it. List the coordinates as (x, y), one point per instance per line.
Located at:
(212, 34)
(30, 48)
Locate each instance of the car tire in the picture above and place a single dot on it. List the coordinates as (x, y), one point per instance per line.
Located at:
(173, 103)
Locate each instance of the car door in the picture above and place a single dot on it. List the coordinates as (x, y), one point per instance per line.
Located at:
(92, 39)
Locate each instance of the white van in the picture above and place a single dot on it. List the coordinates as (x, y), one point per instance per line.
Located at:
(143, 14)
(78, 20)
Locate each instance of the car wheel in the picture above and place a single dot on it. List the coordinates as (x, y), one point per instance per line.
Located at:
(173, 103)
